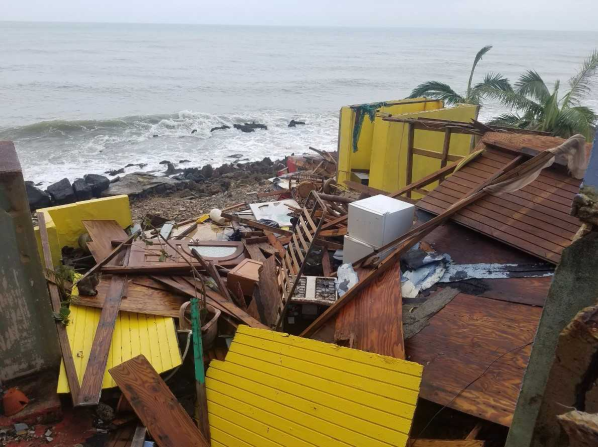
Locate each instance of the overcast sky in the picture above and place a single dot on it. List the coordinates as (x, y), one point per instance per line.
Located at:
(573, 15)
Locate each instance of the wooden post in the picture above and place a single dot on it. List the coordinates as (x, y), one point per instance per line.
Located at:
(201, 404)
(445, 149)
(409, 174)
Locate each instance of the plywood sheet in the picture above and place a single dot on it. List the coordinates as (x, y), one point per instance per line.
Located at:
(280, 390)
(102, 233)
(373, 321)
(535, 219)
(475, 352)
(134, 334)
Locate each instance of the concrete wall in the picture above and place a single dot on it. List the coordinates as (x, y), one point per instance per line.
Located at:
(28, 340)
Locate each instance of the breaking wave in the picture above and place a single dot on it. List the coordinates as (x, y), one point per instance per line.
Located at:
(52, 150)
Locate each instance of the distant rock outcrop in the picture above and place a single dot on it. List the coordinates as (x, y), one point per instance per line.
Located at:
(224, 127)
(294, 123)
(250, 127)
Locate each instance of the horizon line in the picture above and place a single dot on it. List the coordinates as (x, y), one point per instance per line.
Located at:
(294, 26)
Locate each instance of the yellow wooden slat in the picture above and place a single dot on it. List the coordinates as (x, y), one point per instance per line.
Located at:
(219, 438)
(306, 419)
(276, 389)
(237, 431)
(337, 389)
(342, 364)
(270, 388)
(267, 431)
(279, 420)
(366, 358)
(131, 337)
(354, 381)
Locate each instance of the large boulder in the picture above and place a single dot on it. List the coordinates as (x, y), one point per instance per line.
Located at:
(82, 190)
(207, 171)
(62, 192)
(98, 183)
(37, 198)
(139, 185)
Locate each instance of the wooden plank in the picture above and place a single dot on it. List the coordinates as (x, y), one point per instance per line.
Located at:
(409, 166)
(270, 295)
(65, 347)
(91, 387)
(326, 266)
(155, 405)
(139, 436)
(102, 233)
(425, 181)
(446, 144)
(373, 320)
(461, 346)
(254, 224)
(276, 244)
(140, 299)
(445, 443)
(213, 298)
(254, 252)
(433, 154)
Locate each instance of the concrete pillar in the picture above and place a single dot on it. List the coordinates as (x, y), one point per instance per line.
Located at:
(28, 340)
(574, 287)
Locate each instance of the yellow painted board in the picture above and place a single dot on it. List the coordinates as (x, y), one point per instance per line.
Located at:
(223, 439)
(131, 332)
(271, 387)
(279, 420)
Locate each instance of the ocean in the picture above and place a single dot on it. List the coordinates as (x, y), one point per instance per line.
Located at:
(87, 98)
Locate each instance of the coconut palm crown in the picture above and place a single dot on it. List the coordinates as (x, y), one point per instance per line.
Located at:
(474, 93)
(534, 106)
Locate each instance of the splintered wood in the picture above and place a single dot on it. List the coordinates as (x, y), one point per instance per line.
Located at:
(156, 406)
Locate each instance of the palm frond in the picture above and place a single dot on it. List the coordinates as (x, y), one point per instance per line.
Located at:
(551, 111)
(437, 90)
(477, 59)
(572, 121)
(581, 84)
(531, 84)
(508, 120)
(494, 81)
(512, 100)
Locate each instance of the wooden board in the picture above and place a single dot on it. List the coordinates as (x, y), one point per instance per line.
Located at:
(473, 337)
(102, 233)
(446, 443)
(269, 292)
(156, 406)
(140, 299)
(535, 219)
(373, 320)
(134, 334)
(275, 389)
(91, 386)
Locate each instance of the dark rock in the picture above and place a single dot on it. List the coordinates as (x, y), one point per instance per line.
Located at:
(62, 192)
(139, 185)
(193, 131)
(294, 123)
(98, 183)
(225, 184)
(82, 190)
(235, 156)
(207, 171)
(194, 177)
(139, 165)
(37, 198)
(115, 179)
(165, 162)
(115, 171)
(155, 136)
(170, 169)
(184, 161)
(250, 127)
(225, 127)
(267, 161)
(224, 169)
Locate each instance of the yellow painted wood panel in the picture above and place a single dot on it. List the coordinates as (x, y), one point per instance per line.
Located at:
(131, 337)
(276, 389)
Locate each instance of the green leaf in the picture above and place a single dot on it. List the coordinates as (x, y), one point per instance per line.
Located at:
(581, 84)
(531, 84)
(478, 58)
(437, 90)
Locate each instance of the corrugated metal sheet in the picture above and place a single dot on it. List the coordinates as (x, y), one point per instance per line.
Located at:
(280, 390)
(134, 334)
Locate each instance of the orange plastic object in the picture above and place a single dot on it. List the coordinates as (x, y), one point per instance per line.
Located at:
(14, 401)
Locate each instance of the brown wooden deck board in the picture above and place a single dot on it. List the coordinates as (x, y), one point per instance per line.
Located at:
(462, 341)
(535, 219)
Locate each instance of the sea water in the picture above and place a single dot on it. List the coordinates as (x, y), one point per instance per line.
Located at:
(86, 98)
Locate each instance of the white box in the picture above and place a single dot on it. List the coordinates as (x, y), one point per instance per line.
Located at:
(354, 249)
(379, 220)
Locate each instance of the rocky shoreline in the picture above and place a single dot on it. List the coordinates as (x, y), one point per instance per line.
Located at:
(177, 192)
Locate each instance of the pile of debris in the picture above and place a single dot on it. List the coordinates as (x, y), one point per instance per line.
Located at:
(411, 321)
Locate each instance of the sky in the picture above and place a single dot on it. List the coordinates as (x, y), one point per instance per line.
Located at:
(574, 15)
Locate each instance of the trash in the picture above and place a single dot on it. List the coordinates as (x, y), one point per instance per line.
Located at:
(216, 217)
(21, 429)
(13, 401)
(347, 278)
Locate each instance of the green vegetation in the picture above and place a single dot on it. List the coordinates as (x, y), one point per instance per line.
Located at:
(474, 94)
(538, 108)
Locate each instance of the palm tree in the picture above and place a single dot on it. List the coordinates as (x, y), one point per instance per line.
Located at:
(537, 108)
(474, 94)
